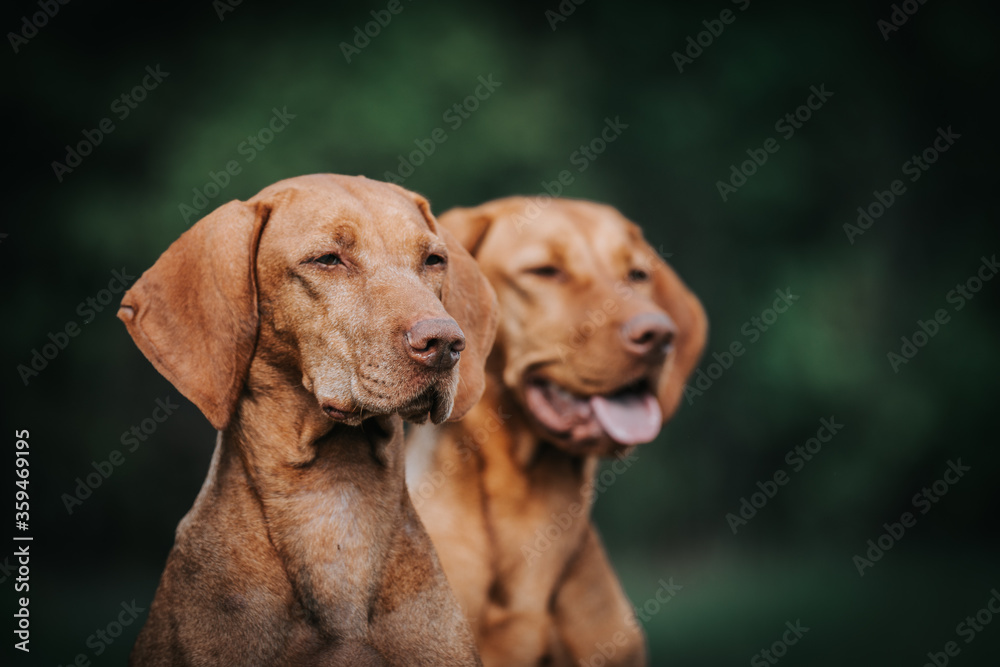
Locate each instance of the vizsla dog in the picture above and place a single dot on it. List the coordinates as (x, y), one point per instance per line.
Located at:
(304, 323)
(596, 339)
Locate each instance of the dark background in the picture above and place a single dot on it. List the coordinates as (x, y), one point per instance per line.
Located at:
(666, 516)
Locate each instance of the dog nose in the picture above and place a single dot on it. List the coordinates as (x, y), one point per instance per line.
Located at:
(647, 333)
(436, 343)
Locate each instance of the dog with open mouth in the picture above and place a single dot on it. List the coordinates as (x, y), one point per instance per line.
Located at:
(597, 337)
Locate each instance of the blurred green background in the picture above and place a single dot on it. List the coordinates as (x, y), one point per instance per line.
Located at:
(666, 517)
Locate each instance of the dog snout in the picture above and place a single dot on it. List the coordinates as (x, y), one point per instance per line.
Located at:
(435, 343)
(648, 333)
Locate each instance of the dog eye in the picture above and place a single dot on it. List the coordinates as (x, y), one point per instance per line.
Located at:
(329, 259)
(638, 275)
(433, 260)
(547, 271)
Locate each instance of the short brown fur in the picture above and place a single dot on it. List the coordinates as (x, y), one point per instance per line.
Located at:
(302, 547)
(488, 486)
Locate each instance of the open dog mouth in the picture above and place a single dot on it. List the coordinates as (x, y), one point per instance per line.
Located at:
(629, 416)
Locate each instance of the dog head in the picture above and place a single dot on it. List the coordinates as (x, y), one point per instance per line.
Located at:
(343, 285)
(598, 334)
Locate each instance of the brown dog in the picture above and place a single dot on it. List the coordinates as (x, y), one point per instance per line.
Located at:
(303, 323)
(597, 337)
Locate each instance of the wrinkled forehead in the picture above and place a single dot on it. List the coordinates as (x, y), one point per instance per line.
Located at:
(364, 222)
(567, 232)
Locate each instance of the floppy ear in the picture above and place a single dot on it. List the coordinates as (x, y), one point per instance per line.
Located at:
(470, 299)
(194, 312)
(468, 225)
(684, 308)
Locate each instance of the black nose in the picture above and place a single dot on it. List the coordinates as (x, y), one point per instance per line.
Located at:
(436, 343)
(649, 333)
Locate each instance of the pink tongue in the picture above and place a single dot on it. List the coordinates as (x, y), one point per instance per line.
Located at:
(629, 419)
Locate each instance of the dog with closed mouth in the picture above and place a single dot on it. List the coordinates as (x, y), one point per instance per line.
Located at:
(597, 337)
(305, 323)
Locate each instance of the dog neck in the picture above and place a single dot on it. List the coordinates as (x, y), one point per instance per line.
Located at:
(521, 443)
(516, 460)
(331, 496)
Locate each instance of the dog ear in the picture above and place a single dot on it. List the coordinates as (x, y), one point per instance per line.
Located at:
(194, 312)
(468, 225)
(470, 299)
(684, 308)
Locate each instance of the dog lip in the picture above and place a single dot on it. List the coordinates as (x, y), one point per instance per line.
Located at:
(638, 386)
(342, 409)
(335, 412)
(426, 396)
